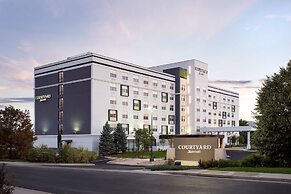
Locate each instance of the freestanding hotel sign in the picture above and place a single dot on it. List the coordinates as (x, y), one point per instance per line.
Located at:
(195, 148)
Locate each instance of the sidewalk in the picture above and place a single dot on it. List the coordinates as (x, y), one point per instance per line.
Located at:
(234, 175)
(136, 161)
(18, 190)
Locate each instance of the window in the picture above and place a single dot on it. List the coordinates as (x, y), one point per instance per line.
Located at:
(124, 77)
(124, 90)
(171, 107)
(214, 121)
(155, 84)
(233, 123)
(61, 90)
(124, 103)
(125, 127)
(204, 90)
(228, 122)
(183, 119)
(204, 101)
(61, 103)
(228, 114)
(125, 116)
(61, 116)
(183, 98)
(145, 93)
(145, 117)
(204, 110)
(155, 128)
(209, 113)
(61, 76)
(155, 118)
(172, 86)
(171, 97)
(171, 128)
(220, 122)
(155, 107)
(146, 82)
(219, 113)
(232, 108)
(112, 115)
(183, 87)
(163, 108)
(113, 75)
(214, 104)
(198, 120)
(198, 99)
(209, 121)
(171, 119)
(198, 89)
(135, 91)
(136, 104)
(61, 128)
(112, 101)
(164, 97)
(113, 88)
(155, 94)
(164, 129)
(163, 118)
(145, 105)
(183, 108)
(198, 109)
(224, 115)
(232, 115)
(163, 85)
(135, 80)
(204, 120)
(209, 96)
(223, 99)
(135, 116)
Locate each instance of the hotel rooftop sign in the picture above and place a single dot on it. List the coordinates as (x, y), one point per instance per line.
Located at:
(43, 97)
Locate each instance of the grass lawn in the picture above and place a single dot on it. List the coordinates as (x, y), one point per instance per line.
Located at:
(170, 167)
(142, 154)
(12, 160)
(256, 169)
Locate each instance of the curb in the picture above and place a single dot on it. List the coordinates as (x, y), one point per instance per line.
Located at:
(232, 176)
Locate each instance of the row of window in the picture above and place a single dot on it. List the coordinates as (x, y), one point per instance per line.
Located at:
(164, 128)
(137, 105)
(124, 91)
(214, 105)
(113, 116)
(61, 103)
(145, 82)
(224, 99)
(214, 121)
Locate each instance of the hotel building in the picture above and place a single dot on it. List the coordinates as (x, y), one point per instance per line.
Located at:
(76, 96)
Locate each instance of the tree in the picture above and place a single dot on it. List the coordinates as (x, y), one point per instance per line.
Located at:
(273, 116)
(120, 139)
(143, 139)
(106, 145)
(16, 134)
(243, 134)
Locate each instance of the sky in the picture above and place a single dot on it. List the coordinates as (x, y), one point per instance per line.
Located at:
(242, 41)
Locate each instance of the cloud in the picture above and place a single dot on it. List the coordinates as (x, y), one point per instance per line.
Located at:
(16, 100)
(238, 84)
(278, 16)
(17, 72)
(231, 81)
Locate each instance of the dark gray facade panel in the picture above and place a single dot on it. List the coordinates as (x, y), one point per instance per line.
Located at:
(70, 75)
(46, 112)
(77, 108)
(176, 73)
(77, 74)
(46, 80)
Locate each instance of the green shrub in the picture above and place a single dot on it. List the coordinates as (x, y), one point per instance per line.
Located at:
(256, 160)
(218, 163)
(75, 155)
(6, 186)
(40, 154)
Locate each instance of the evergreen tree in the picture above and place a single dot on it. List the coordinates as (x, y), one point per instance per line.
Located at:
(106, 145)
(16, 134)
(273, 116)
(120, 139)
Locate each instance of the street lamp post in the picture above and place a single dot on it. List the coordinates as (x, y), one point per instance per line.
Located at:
(151, 130)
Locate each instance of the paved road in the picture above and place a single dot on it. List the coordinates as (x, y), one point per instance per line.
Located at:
(238, 154)
(90, 180)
